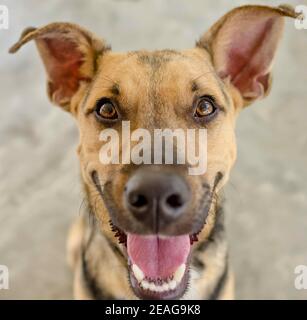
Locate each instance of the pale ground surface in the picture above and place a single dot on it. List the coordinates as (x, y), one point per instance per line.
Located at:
(39, 184)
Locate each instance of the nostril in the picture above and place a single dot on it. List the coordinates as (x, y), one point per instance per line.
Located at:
(138, 200)
(174, 201)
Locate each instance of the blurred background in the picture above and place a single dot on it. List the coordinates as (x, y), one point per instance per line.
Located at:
(40, 195)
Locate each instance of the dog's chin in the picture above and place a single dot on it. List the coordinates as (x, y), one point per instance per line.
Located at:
(158, 266)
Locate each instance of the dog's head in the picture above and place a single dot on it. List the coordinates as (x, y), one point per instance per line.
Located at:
(158, 210)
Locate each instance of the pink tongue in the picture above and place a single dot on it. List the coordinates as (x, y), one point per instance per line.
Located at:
(158, 257)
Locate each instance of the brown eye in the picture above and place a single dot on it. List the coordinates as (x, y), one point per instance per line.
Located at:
(205, 108)
(105, 110)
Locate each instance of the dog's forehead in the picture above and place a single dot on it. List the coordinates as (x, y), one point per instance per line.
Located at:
(163, 66)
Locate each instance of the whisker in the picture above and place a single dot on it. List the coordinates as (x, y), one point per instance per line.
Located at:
(109, 79)
(203, 74)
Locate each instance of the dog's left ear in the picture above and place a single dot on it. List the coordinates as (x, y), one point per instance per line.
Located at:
(242, 45)
(69, 54)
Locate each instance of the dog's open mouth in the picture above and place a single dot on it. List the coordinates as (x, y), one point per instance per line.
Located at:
(158, 265)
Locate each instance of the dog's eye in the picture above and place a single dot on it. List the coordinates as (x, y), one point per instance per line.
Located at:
(205, 107)
(105, 110)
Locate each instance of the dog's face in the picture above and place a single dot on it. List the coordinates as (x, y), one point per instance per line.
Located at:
(163, 89)
(159, 210)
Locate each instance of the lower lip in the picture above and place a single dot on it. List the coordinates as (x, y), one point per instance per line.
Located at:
(147, 294)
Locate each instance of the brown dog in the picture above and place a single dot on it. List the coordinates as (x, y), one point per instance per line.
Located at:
(156, 223)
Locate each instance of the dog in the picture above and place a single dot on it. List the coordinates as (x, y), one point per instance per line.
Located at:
(154, 231)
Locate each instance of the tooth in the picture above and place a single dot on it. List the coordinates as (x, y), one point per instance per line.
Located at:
(165, 287)
(152, 287)
(172, 284)
(158, 288)
(138, 273)
(179, 273)
(145, 284)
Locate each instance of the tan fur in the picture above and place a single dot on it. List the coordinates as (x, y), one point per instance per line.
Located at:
(155, 91)
(74, 241)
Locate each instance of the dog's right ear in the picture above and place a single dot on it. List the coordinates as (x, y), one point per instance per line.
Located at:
(69, 54)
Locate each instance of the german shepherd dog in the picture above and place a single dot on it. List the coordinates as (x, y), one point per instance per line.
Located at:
(156, 232)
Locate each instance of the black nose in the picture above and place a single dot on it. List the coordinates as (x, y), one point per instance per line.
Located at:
(152, 196)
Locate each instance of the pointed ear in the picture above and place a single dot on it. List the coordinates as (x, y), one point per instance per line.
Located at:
(69, 54)
(242, 45)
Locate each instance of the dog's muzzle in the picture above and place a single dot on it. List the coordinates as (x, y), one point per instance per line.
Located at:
(156, 198)
(160, 200)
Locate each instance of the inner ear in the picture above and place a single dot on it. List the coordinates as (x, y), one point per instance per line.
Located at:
(69, 54)
(243, 44)
(63, 61)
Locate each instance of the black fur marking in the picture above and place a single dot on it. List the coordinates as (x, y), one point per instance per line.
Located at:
(158, 58)
(197, 263)
(115, 89)
(105, 194)
(206, 202)
(194, 86)
(91, 282)
(216, 293)
(219, 176)
(216, 231)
